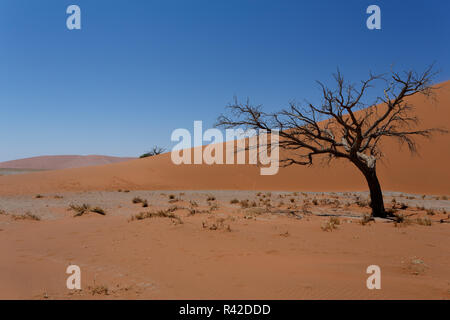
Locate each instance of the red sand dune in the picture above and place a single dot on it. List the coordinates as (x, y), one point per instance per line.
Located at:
(399, 171)
(60, 162)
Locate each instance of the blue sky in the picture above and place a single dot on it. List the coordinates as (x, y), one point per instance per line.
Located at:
(139, 69)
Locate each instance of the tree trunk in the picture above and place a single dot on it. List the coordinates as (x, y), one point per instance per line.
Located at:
(376, 195)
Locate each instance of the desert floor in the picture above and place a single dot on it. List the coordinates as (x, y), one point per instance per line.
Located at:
(204, 245)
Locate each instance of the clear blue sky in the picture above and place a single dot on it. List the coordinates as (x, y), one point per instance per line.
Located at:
(139, 69)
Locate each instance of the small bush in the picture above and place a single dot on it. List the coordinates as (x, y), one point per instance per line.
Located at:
(234, 201)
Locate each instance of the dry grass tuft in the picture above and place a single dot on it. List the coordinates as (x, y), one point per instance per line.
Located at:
(401, 220)
(366, 219)
(98, 210)
(159, 214)
(219, 224)
(416, 266)
(84, 209)
(193, 204)
(137, 200)
(100, 290)
(423, 222)
(331, 224)
(27, 216)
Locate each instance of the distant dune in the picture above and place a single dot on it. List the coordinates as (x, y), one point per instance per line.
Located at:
(398, 171)
(60, 162)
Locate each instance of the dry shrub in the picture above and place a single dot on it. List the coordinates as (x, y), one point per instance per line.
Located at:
(80, 210)
(362, 203)
(255, 210)
(400, 206)
(285, 234)
(27, 216)
(244, 203)
(213, 207)
(173, 199)
(100, 290)
(159, 214)
(98, 210)
(85, 208)
(401, 220)
(219, 224)
(193, 204)
(423, 222)
(416, 266)
(331, 224)
(305, 209)
(137, 200)
(234, 201)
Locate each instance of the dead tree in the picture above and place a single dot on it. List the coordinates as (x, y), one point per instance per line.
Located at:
(344, 125)
(153, 152)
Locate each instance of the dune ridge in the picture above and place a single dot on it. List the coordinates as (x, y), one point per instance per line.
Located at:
(60, 162)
